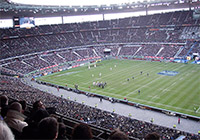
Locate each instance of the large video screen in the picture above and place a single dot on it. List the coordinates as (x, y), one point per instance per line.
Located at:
(196, 14)
(27, 22)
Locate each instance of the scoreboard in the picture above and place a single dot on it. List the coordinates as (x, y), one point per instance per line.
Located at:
(16, 22)
(196, 14)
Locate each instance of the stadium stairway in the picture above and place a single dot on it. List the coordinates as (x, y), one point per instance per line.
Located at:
(191, 49)
(179, 51)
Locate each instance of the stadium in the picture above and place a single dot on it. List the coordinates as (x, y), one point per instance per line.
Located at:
(126, 65)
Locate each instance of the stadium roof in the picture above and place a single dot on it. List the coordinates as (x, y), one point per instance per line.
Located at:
(84, 2)
(10, 8)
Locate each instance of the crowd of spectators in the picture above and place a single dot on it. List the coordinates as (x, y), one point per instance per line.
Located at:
(16, 89)
(6, 71)
(16, 47)
(52, 59)
(190, 33)
(151, 37)
(25, 65)
(172, 18)
(37, 62)
(19, 66)
(151, 28)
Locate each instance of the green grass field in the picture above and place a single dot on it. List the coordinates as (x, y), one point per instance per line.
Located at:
(180, 93)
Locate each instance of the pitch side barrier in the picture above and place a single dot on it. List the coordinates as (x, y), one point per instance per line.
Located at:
(125, 101)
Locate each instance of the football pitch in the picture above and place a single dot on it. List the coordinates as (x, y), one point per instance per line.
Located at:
(139, 81)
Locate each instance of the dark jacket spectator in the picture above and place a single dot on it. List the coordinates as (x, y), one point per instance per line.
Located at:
(62, 132)
(82, 131)
(31, 131)
(48, 128)
(118, 135)
(152, 136)
(4, 105)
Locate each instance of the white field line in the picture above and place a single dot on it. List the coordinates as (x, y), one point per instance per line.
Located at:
(146, 101)
(152, 82)
(143, 86)
(151, 102)
(181, 78)
(197, 110)
(155, 97)
(168, 88)
(113, 73)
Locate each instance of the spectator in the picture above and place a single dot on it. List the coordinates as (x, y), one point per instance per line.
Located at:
(118, 135)
(62, 132)
(82, 131)
(4, 105)
(152, 136)
(15, 119)
(48, 128)
(31, 131)
(36, 106)
(5, 132)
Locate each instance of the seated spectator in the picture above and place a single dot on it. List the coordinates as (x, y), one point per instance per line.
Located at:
(15, 119)
(48, 128)
(118, 135)
(152, 136)
(82, 131)
(36, 106)
(4, 105)
(5, 132)
(62, 132)
(31, 131)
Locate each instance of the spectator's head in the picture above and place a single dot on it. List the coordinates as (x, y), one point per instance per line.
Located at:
(16, 107)
(3, 100)
(48, 128)
(38, 104)
(118, 135)
(81, 131)
(62, 131)
(5, 132)
(152, 136)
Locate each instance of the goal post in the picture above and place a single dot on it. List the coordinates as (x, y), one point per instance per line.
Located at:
(92, 65)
